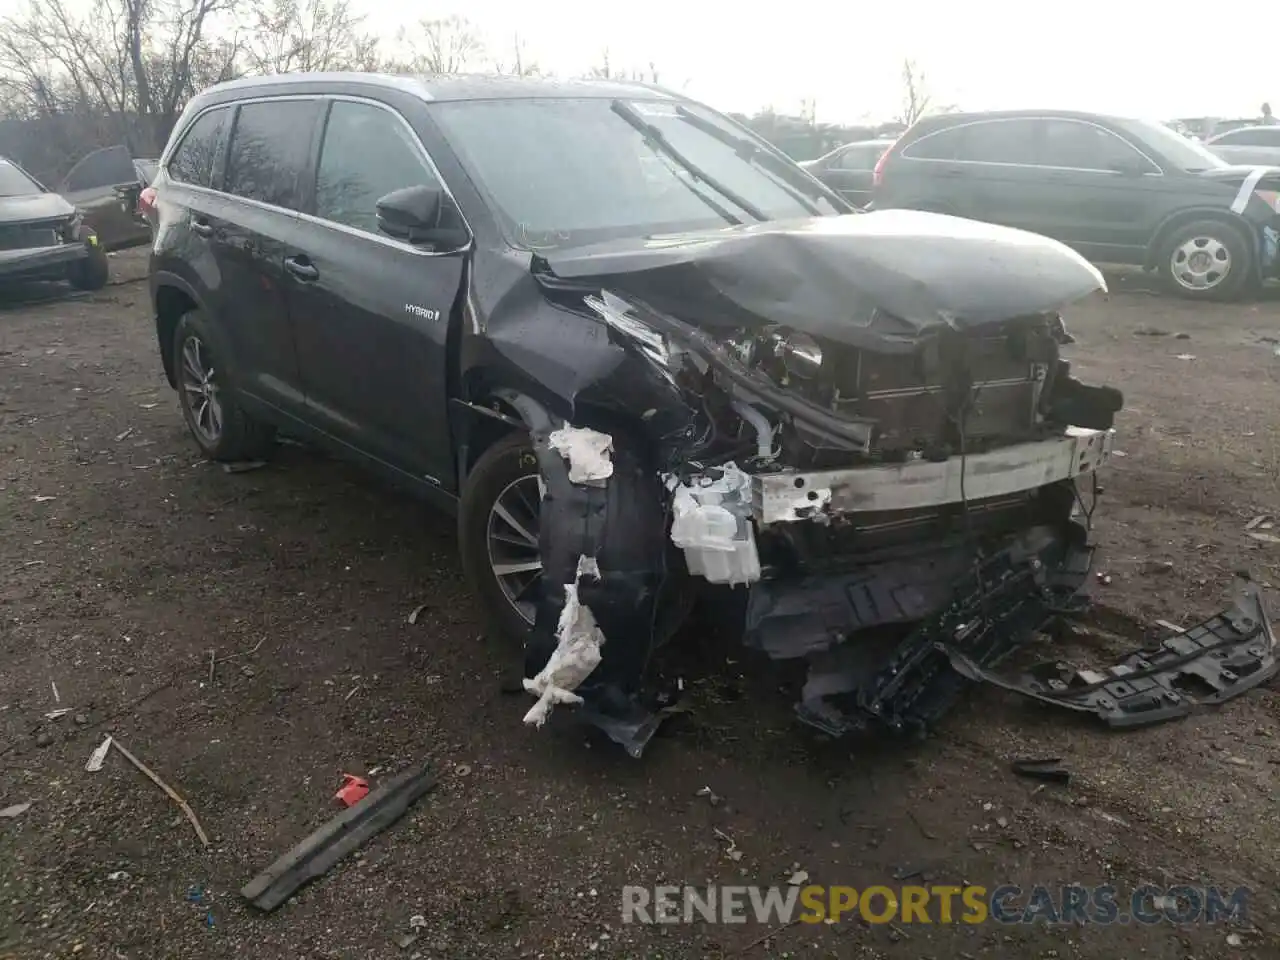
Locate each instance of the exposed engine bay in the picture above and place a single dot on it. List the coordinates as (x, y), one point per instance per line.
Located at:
(858, 423)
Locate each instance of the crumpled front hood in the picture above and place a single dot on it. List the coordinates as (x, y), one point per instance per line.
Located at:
(882, 280)
(36, 206)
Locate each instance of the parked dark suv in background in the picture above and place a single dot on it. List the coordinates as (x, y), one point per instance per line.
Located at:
(637, 350)
(1119, 191)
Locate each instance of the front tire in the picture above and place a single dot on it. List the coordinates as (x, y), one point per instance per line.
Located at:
(1206, 260)
(498, 520)
(215, 418)
(90, 273)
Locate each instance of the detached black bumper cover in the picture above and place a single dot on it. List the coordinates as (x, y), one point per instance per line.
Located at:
(1225, 656)
(39, 261)
(993, 607)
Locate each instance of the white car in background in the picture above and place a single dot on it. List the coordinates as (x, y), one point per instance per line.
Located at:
(1248, 145)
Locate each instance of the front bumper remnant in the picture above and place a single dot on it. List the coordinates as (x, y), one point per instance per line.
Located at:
(1221, 658)
(787, 497)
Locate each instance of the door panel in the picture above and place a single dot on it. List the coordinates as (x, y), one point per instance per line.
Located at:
(249, 229)
(371, 322)
(372, 314)
(849, 172)
(248, 243)
(1100, 194)
(99, 186)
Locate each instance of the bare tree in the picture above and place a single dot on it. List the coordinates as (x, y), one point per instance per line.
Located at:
(916, 98)
(307, 35)
(602, 70)
(520, 64)
(130, 63)
(606, 70)
(447, 45)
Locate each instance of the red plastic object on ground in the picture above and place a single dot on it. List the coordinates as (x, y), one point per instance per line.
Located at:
(354, 789)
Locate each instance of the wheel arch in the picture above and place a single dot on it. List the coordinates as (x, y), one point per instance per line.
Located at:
(173, 297)
(1181, 218)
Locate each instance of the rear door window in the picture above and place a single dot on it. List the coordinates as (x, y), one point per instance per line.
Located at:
(1001, 141)
(367, 152)
(269, 152)
(193, 161)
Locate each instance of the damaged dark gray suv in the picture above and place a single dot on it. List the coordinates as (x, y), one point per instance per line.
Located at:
(639, 352)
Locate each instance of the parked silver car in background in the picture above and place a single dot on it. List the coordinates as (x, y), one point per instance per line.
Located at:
(1248, 145)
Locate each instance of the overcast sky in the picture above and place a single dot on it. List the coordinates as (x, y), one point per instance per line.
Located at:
(1161, 60)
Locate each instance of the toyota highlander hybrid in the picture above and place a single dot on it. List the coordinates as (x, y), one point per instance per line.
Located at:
(641, 354)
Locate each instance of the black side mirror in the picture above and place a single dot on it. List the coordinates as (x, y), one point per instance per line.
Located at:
(422, 215)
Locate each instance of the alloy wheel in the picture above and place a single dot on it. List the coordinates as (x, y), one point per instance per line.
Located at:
(1200, 263)
(199, 382)
(512, 537)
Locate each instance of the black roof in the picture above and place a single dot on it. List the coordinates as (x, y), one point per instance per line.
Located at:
(444, 86)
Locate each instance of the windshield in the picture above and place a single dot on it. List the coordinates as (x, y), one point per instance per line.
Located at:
(15, 183)
(566, 172)
(1184, 154)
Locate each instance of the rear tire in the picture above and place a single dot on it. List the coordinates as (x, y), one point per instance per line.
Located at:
(92, 272)
(215, 418)
(1206, 260)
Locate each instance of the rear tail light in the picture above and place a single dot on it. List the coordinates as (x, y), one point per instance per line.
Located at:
(877, 175)
(147, 202)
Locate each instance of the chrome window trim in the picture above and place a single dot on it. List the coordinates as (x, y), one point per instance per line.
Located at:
(424, 154)
(1157, 170)
(167, 158)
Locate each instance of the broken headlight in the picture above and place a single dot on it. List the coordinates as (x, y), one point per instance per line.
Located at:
(71, 227)
(782, 353)
(800, 355)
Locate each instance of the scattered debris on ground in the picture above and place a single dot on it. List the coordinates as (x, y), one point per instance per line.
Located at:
(1049, 770)
(111, 743)
(340, 836)
(353, 790)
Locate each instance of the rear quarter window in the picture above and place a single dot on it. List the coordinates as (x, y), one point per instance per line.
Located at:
(194, 158)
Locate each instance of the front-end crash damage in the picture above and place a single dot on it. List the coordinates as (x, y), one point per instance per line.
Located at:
(862, 421)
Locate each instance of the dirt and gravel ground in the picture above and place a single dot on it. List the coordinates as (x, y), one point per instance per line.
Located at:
(126, 563)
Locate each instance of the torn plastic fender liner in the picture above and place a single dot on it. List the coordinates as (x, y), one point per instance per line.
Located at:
(619, 523)
(587, 453)
(1221, 658)
(577, 652)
